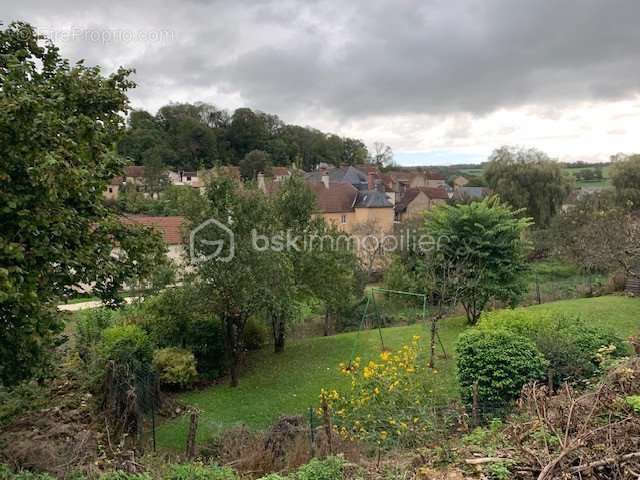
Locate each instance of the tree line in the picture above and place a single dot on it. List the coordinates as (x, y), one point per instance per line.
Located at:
(200, 135)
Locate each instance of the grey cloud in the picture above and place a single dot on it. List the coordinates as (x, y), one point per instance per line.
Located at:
(371, 58)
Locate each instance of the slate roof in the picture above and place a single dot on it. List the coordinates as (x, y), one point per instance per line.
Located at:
(372, 199)
(474, 193)
(342, 174)
(169, 227)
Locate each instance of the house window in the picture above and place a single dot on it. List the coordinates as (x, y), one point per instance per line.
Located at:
(110, 190)
(343, 219)
(188, 179)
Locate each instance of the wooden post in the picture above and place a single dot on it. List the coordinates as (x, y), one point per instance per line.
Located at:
(550, 382)
(474, 407)
(328, 428)
(191, 436)
(311, 433)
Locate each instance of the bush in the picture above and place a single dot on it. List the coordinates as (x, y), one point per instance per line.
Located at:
(571, 347)
(501, 362)
(200, 471)
(387, 403)
(254, 335)
(7, 474)
(120, 475)
(177, 317)
(328, 469)
(127, 345)
(89, 328)
(175, 367)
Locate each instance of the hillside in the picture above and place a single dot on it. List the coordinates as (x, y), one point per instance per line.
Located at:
(290, 382)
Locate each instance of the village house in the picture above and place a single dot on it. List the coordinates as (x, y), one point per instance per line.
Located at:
(170, 228)
(113, 189)
(460, 181)
(346, 207)
(416, 201)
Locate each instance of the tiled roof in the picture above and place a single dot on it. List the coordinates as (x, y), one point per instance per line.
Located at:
(339, 197)
(411, 193)
(134, 171)
(169, 227)
(280, 172)
(435, 176)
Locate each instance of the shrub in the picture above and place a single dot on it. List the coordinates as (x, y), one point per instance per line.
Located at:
(128, 383)
(389, 402)
(127, 345)
(179, 318)
(200, 471)
(501, 362)
(328, 469)
(120, 475)
(571, 347)
(254, 335)
(175, 367)
(7, 474)
(89, 328)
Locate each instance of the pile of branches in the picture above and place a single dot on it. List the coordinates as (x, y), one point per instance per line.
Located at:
(571, 435)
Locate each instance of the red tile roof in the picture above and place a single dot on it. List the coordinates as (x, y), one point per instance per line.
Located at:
(134, 171)
(280, 172)
(169, 227)
(339, 197)
(411, 193)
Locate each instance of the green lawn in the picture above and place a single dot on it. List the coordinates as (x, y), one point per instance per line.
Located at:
(290, 382)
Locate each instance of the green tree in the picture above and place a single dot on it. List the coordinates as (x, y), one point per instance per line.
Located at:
(240, 286)
(58, 125)
(254, 162)
(528, 179)
(482, 243)
(625, 177)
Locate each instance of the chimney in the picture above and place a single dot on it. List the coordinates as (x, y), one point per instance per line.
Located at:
(261, 184)
(371, 181)
(325, 179)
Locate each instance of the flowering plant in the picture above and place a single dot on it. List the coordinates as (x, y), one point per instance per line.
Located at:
(390, 401)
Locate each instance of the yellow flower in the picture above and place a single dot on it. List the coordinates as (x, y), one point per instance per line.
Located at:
(385, 356)
(383, 435)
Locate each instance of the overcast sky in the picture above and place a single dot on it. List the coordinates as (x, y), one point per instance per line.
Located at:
(440, 81)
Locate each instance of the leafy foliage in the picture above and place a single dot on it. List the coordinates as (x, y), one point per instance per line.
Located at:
(58, 124)
(482, 242)
(625, 176)
(528, 179)
(390, 400)
(192, 136)
(175, 367)
(328, 469)
(501, 362)
(569, 344)
(200, 471)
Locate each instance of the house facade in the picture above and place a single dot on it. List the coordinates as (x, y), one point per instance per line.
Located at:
(418, 200)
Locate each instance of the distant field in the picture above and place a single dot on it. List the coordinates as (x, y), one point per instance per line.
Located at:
(605, 182)
(289, 383)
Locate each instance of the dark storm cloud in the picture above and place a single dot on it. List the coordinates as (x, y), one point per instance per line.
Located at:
(354, 59)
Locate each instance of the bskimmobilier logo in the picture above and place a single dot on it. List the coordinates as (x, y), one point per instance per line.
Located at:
(211, 240)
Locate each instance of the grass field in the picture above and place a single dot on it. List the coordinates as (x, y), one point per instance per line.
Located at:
(290, 382)
(605, 182)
